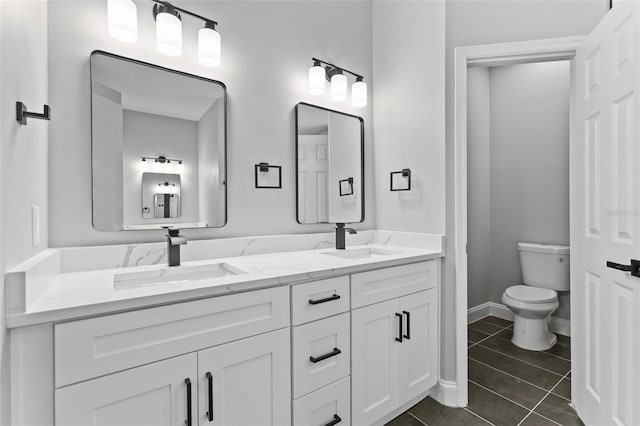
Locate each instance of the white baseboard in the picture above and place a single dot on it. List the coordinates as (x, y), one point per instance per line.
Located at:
(557, 325)
(446, 393)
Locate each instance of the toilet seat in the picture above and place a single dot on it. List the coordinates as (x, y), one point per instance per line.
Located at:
(529, 294)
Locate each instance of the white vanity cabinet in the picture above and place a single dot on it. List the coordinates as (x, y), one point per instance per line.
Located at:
(394, 342)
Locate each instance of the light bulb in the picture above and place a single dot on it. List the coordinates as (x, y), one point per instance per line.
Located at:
(317, 79)
(339, 87)
(168, 31)
(359, 93)
(143, 166)
(180, 167)
(122, 20)
(209, 45)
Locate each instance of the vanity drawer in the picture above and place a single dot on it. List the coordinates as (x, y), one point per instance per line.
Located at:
(320, 407)
(383, 284)
(328, 342)
(93, 347)
(319, 299)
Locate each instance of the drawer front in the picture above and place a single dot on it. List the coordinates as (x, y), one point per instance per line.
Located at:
(322, 406)
(97, 346)
(320, 340)
(318, 299)
(384, 284)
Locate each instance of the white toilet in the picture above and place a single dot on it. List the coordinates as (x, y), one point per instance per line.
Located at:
(545, 270)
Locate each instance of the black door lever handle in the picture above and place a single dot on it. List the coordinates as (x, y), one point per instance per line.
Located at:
(634, 268)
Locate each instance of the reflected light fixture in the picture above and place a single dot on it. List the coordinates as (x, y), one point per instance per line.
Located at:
(161, 164)
(122, 20)
(323, 70)
(168, 29)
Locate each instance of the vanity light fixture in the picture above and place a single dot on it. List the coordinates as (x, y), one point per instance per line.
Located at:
(122, 19)
(161, 164)
(322, 70)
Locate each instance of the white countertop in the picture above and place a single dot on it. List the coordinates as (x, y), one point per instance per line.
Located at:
(76, 294)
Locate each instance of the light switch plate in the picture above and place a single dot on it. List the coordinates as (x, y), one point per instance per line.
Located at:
(35, 225)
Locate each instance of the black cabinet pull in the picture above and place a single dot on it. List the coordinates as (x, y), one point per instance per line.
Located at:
(210, 385)
(188, 383)
(326, 299)
(408, 335)
(634, 267)
(335, 421)
(335, 352)
(400, 328)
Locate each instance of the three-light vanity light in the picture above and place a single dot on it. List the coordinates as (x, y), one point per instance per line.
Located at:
(323, 71)
(161, 164)
(122, 17)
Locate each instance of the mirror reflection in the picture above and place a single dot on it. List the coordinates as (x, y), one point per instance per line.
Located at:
(158, 146)
(330, 166)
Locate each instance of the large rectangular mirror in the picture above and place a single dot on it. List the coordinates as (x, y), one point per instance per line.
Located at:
(158, 146)
(330, 166)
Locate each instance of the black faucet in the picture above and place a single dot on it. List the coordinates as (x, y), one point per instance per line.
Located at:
(340, 240)
(174, 241)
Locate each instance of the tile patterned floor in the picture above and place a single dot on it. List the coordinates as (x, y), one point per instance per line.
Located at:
(507, 385)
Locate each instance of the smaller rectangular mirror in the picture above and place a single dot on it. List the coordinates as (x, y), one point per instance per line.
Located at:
(330, 166)
(160, 196)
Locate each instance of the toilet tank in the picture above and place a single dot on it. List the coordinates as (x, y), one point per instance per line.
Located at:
(545, 265)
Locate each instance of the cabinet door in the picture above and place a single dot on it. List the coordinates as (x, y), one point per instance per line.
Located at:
(153, 395)
(250, 382)
(375, 358)
(419, 347)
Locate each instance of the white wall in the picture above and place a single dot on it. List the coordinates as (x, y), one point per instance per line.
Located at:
(408, 64)
(475, 22)
(23, 149)
(478, 186)
(267, 50)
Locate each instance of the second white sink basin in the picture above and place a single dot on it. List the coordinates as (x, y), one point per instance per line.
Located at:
(360, 253)
(174, 275)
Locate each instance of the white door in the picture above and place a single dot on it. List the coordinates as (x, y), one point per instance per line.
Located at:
(248, 382)
(374, 361)
(155, 395)
(313, 175)
(605, 221)
(418, 357)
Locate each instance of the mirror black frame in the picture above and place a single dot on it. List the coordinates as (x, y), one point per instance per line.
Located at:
(361, 160)
(182, 73)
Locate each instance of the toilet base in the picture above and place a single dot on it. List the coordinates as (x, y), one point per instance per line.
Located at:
(532, 334)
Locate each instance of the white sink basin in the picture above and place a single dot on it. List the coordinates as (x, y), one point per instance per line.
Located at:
(174, 275)
(360, 253)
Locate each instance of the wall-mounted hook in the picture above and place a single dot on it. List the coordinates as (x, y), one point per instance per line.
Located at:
(22, 113)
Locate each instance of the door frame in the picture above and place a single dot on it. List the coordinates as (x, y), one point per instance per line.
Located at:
(547, 50)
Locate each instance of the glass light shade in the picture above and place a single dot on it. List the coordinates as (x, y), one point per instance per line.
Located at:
(209, 47)
(122, 20)
(144, 166)
(169, 34)
(317, 80)
(359, 94)
(339, 87)
(179, 168)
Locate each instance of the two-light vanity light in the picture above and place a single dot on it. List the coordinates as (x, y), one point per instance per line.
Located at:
(122, 17)
(323, 71)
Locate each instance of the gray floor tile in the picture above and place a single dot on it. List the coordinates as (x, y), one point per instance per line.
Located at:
(564, 340)
(434, 414)
(405, 419)
(558, 410)
(526, 372)
(476, 336)
(494, 408)
(536, 420)
(506, 334)
(552, 363)
(498, 321)
(514, 389)
(485, 327)
(564, 389)
(563, 351)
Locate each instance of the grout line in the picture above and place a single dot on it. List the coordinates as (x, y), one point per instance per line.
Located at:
(544, 352)
(478, 416)
(543, 398)
(501, 396)
(521, 360)
(489, 336)
(417, 418)
(511, 375)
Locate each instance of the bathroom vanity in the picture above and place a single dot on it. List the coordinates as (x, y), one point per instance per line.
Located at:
(309, 337)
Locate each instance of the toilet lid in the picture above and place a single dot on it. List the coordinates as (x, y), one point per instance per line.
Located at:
(528, 294)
